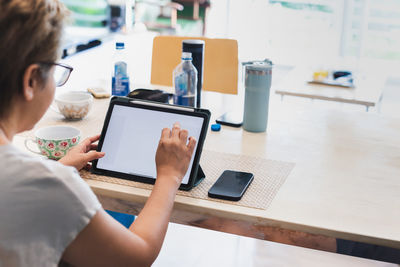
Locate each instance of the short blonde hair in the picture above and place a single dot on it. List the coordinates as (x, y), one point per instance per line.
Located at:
(30, 32)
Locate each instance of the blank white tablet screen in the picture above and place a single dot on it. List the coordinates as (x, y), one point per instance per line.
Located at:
(132, 138)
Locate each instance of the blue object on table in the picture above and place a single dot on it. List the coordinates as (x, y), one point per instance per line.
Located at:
(123, 218)
(215, 127)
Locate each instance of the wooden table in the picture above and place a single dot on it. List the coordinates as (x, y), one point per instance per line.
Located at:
(367, 91)
(345, 183)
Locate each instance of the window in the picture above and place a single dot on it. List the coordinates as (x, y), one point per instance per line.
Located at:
(314, 31)
(286, 31)
(372, 29)
(89, 13)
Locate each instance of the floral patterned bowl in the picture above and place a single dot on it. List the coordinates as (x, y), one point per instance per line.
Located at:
(54, 141)
(74, 105)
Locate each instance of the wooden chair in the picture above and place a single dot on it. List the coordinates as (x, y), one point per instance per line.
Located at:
(220, 62)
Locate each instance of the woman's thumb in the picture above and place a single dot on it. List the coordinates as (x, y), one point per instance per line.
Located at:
(92, 155)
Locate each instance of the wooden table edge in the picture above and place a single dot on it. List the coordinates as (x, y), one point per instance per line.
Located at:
(131, 200)
(334, 99)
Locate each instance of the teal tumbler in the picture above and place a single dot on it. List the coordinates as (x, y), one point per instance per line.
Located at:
(257, 87)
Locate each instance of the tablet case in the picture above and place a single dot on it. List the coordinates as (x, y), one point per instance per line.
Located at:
(199, 176)
(151, 95)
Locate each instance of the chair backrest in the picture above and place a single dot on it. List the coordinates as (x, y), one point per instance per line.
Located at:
(220, 62)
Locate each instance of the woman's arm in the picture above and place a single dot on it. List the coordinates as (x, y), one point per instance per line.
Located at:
(105, 242)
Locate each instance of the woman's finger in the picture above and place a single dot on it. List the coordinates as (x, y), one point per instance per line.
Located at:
(91, 139)
(165, 133)
(94, 138)
(86, 142)
(192, 144)
(175, 130)
(92, 155)
(183, 135)
(94, 146)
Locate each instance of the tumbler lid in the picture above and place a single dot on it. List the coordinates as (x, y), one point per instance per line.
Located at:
(258, 65)
(193, 43)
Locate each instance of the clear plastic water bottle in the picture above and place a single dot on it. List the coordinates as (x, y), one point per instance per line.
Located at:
(185, 82)
(120, 77)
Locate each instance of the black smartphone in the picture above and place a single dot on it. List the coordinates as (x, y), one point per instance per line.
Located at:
(231, 185)
(234, 119)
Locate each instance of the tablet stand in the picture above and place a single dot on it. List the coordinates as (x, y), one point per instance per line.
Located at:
(199, 177)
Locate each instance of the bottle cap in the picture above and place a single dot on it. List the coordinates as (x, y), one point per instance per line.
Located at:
(186, 56)
(119, 45)
(215, 127)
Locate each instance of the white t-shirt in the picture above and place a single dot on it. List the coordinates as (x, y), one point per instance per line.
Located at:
(43, 207)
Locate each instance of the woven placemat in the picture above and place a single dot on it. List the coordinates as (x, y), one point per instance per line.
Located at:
(269, 175)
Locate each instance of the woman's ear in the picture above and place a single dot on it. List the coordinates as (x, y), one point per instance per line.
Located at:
(30, 81)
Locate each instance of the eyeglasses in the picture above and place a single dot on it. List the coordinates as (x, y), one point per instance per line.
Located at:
(61, 72)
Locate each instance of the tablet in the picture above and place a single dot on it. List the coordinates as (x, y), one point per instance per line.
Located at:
(130, 136)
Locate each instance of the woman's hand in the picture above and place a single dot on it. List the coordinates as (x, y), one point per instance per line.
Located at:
(174, 153)
(80, 155)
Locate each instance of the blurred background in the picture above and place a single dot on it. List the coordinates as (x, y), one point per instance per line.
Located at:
(339, 34)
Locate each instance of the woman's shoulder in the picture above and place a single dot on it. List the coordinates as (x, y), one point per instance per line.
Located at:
(31, 173)
(20, 165)
(50, 198)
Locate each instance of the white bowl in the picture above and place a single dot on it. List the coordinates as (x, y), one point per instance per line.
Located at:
(74, 105)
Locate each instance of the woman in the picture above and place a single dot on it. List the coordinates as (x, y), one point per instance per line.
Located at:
(48, 213)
